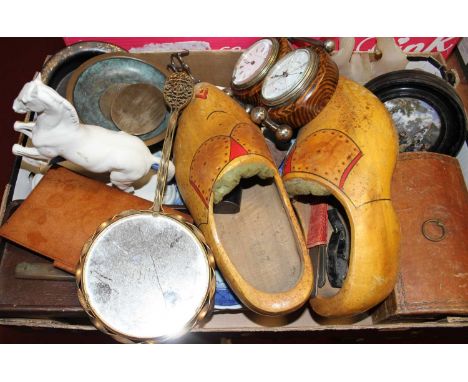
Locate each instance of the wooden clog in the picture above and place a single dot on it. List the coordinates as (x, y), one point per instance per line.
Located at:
(349, 150)
(260, 250)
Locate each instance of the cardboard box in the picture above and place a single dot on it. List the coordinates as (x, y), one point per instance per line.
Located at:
(216, 67)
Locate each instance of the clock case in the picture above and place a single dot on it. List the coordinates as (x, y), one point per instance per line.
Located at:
(306, 102)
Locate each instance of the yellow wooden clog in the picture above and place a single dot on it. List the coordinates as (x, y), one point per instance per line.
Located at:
(260, 250)
(349, 150)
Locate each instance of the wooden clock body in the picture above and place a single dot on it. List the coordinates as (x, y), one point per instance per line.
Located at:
(300, 111)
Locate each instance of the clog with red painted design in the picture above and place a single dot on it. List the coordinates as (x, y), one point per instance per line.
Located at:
(260, 250)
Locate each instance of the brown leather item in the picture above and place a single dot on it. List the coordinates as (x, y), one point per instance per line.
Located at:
(431, 200)
(62, 213)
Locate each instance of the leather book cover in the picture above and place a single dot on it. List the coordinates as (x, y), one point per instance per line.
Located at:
(62, 213)
(431, 200)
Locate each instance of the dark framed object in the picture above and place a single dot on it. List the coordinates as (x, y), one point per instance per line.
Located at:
(445, 73)
(427, 111)
(58, 69)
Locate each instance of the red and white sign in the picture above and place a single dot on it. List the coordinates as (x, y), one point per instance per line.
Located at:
(444, 45)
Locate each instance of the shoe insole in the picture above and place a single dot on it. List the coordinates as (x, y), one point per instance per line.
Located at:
(259, 239)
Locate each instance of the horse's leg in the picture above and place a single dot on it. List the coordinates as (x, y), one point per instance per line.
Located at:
(120, 180)
(24, 127)
(29, 152)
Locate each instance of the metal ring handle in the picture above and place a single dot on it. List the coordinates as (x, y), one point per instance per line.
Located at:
(178, 65)
(439, 224)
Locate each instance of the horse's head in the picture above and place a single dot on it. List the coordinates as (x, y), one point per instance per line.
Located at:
(28, 99)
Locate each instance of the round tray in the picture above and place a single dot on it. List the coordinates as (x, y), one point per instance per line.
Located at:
(58, 69)
(91, 80)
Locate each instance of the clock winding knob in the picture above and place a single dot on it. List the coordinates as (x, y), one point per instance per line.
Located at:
(248, 108)
(329, 45)
(283, 133)
(259, 115)
(228, 91)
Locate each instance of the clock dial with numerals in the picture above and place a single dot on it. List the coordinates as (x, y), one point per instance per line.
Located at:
(252, 64)
(298, 86)
(288, 74)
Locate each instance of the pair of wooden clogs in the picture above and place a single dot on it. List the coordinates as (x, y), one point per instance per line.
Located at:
(349, 150)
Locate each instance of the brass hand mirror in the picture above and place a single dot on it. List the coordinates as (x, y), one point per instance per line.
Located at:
(148, 276)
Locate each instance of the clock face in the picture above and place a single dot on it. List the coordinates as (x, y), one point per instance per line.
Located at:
(252, 62)
(287, 74)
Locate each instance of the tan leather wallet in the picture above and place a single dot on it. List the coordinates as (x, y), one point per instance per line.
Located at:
(62, 213)
(431, 200)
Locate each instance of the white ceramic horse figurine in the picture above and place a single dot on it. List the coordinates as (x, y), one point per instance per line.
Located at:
(58, 132)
